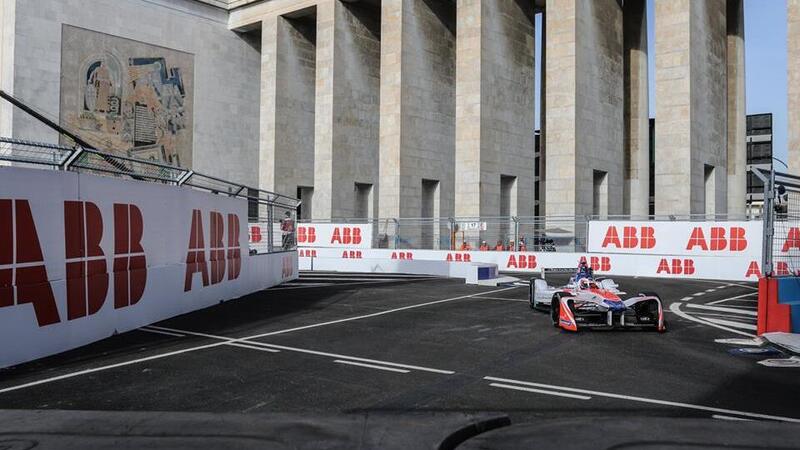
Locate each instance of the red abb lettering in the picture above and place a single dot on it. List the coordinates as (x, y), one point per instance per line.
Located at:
(600, 263)
(351, 254)
(722, 239)
(255, 234)
(307, 253)
(346, 235)
(782, 268)
(738, 240)
(632, 237)
(697, 239)
(677, 267)
(792, 240)
(217, 252)
(521, 261)
(86, 267)
(306, 235)
(130, 265)
(612, 238)
(402, 255)
(648, 237)
(196, 257)
(753, 269)
(234, 248)
(28, 284)
(459, 257)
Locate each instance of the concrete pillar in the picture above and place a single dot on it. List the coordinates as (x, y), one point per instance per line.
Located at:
(737, 117)
(494, 105)
(691, 96)
(636, 192)
(7, 34)
(287, 103)
(347, 108)
(543, 117)
(584, 79)
(417, 105)
(793, 65)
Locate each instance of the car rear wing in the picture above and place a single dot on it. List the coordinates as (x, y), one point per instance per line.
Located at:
(546, 270)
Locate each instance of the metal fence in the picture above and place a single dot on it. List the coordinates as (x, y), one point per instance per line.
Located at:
(263, 206)
(781, 215)
(546, 234)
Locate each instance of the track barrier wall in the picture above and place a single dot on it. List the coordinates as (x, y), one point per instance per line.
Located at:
(83, 257)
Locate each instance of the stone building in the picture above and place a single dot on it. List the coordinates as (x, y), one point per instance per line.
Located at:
(403, 108)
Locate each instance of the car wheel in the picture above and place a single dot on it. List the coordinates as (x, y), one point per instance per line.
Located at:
(531, 296)
(555, 309)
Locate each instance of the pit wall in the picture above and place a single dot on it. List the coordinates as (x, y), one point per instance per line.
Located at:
(84, 257)
(704, 250)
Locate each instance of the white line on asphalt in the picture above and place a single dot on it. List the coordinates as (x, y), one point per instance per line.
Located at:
(723, 309)
(698, 294)
(721, 287)
(252, 347)
(540, 391)
(676, 308)
(311, 352)
(216, 344)
(110, 366)
(371, 366)
(721, 417)
(161, 332)
(686, 299)
(507, 299)
(649, 400)
(711, 290)
(730, 323)
(749, 294)
(737, 318)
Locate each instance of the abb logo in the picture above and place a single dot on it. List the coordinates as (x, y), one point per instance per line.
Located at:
(521, 261)
(792, 240)
(781, 268)
(720, 239)
(458, 257)
(346, 235)
(287, 268)
(306, 253)
(219, 253)
(676, 266)
(255, 234)
(632, 237)
(600, 263)
(352, 254)
(402, 255)
(23, 276)
(306, 235)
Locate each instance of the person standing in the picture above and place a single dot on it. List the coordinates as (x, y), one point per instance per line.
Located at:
(287, 231)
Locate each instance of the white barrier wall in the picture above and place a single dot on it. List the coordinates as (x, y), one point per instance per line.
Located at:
(667, 266)
(83, 257)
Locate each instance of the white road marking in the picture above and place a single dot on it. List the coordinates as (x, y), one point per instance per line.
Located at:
(252, 347)
(217, 344)
(756, 342)
(540, 391)
(749, 294)
(110, 366)
(676, 308)
(730, 323)
(312, 352)
(698, 294)
(721, 417)
(711, 290)
(723, 309)
(686, 299)
(371, 366)
(649, 400)
(722, 287)
(506, 299)
(161, 332)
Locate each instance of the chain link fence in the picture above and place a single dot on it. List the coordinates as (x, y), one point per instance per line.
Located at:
(781, 214)
(277, 214)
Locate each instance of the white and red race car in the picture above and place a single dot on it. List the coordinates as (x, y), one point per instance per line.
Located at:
(589, 303)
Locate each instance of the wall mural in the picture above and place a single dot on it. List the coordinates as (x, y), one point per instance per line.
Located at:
(126, 96)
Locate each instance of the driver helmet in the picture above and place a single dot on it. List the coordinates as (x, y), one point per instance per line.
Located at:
(583, 283)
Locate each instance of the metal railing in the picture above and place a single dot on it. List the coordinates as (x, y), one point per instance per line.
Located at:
(781, 215)
(263, 206)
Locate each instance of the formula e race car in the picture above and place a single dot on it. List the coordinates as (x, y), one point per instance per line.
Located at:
(585, 302)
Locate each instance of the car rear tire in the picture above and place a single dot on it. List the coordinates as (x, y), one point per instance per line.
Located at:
(555, 309)
(531, 294)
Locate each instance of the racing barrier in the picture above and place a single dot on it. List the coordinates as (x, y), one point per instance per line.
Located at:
(83, 257)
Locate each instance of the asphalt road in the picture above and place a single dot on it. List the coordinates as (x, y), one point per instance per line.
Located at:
(331, 344)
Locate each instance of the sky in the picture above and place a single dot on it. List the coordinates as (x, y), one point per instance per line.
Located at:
(765, 64)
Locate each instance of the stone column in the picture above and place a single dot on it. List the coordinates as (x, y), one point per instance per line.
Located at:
(494, 105)
(417, 105)
(347, 107)
(793, 64)
(584, 79)
(287, 104)
(737, 118)
(543, 117)
(636, 200)
(691, 96)
(7, 33)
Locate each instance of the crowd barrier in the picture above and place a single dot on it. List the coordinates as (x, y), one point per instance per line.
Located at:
(83, 257)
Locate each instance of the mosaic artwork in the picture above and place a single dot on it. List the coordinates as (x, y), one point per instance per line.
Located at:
(127, 97)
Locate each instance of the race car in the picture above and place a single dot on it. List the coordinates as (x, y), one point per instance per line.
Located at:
(586, 302)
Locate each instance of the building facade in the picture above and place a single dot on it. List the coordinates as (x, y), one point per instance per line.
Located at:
(401, 108)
